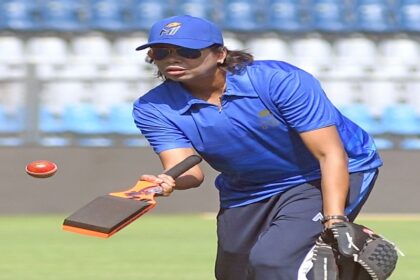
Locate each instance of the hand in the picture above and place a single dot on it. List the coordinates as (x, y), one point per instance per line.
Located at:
(166, 182)
(329, 223)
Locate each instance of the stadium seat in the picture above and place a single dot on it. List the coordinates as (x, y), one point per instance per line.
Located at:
(80, 71)
(62, 15)
(83, 118)
(51, 128)
(331, 16)
(12, 58)
(400, 57)
(88, 126)
(108, 15)
(401, 119)
(11, 126)
(354, 57)
(107, 94)
(408, 15)
(342, 93)
(57, 95)
(268, 48)
(144, 13)
(287, 16)
(125, 48)
(120, 120)
(198, 8)
(360, 114)
(12, 49)
(94, 49)
(11, 141)
(11, 122)
(13, 96)
(50, 121)
(374, 16)
(232, 42)
(317, 60)
(379, 95)
(410, 144)
(412, 94)
(241, 16)
(383, 143)
(18, 15)
(50, 55)
(402, 50)
(126, 58)
(47, 50)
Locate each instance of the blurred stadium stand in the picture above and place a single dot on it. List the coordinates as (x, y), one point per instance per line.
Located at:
(18, 15)
(143, 13)
(287, 16)
(241, 16)
(62, 15)
(331, 15)
(374, 16)
(72, 64)
(198, 8)
(108, 15)
(408, 15)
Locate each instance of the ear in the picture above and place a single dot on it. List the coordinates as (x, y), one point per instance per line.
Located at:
(221, 55)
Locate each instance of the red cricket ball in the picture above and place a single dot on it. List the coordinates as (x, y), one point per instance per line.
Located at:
(41, 168)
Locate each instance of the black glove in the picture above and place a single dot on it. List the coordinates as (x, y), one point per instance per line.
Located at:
(348, 251)
(375, 254)
(324, 260)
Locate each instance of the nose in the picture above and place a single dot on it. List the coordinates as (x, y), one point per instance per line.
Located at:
(173, 56)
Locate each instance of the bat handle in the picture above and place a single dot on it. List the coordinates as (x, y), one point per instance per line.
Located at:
(183, 166)
(174, 172)
(153, 190)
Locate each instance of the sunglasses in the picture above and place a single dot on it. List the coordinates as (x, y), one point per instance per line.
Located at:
(162, 53)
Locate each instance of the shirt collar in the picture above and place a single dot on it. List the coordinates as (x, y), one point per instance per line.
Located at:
(239, 85)
(236, 85)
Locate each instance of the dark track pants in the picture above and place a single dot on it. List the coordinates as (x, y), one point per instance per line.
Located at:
(271, 239)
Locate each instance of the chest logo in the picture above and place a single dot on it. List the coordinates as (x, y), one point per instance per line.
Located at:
(267, 120)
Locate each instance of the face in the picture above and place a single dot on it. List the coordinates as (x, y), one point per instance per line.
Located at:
(186, 65)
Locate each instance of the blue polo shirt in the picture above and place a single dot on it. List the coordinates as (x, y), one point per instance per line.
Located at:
(258, 154)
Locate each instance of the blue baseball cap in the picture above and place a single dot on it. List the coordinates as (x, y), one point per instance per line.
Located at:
(184, 31)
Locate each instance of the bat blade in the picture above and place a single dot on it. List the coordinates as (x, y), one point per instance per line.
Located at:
(107, 214)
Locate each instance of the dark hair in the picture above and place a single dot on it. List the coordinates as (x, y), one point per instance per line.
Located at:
(235, 60)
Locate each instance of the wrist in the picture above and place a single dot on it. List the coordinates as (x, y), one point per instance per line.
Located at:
(334, 218)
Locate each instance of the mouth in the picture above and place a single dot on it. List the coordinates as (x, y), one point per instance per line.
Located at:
(175, 70)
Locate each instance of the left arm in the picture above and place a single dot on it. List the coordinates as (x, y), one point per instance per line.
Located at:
(325, 144)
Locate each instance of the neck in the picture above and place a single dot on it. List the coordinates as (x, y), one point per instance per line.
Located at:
(207, 88)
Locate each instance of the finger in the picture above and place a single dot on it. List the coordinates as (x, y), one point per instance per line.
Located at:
(151, 178)
(167, 178)
(167, 189)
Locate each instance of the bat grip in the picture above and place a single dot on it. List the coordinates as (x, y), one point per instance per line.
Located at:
(183, 166)
(175, 171)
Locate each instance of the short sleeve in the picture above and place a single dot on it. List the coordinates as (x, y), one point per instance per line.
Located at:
(301, 101)
(159, 130)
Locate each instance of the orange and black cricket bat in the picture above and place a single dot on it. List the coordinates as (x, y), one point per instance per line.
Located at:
(107, 214)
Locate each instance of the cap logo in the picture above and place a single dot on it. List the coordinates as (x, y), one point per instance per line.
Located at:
(171, 28)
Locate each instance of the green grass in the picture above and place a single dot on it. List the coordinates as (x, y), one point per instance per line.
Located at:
(156, 247)
(405, 232)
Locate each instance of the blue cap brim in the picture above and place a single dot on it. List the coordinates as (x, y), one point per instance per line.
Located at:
(186, 43)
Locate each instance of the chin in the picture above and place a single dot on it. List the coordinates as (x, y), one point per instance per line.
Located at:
(182, 78)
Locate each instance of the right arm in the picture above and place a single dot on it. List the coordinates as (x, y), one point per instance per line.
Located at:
(170, 143)
(169, 158)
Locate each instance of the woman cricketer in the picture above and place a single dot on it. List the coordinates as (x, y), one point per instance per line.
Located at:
(285, 173)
